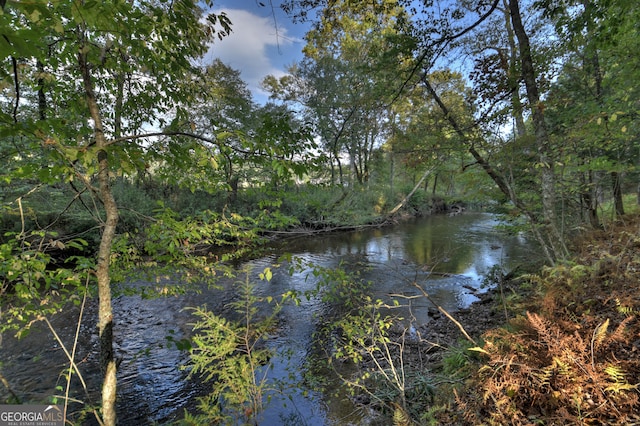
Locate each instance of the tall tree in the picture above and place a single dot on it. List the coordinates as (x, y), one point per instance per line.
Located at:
(546, 160)
(110, 69)
(514, 68)
(591, 97)
(348, 77)
(225, 106)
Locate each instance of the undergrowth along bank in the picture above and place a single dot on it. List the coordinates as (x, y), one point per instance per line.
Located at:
(570, 355)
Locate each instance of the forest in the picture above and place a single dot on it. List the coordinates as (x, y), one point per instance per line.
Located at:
(125, 156)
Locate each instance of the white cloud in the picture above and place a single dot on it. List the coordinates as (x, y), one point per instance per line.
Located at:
(254, 47)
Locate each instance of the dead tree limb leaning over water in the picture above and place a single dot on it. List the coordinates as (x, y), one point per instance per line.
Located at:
(408, 196)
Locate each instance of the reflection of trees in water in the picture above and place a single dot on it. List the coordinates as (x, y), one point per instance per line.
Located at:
(438, 243)
(438, 246)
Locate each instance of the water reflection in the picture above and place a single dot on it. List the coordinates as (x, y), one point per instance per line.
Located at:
(447, 256)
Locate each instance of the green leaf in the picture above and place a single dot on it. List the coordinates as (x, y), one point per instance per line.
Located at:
(34, 16)
(266, 275)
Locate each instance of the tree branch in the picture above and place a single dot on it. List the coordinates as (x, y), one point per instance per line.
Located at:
(174, 133)
(443, 41)
(14, 62)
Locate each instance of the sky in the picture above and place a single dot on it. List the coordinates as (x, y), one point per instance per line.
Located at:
(258, 45)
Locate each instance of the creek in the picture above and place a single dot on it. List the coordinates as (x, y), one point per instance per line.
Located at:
(448, 256)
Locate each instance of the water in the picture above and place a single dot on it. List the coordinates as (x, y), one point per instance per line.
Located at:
(448, 257)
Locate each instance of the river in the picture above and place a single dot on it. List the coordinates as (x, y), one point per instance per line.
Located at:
(447, 256)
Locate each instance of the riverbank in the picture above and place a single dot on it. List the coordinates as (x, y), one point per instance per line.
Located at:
(560, 346)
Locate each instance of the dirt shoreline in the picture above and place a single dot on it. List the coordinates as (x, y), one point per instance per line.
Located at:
(480, 316)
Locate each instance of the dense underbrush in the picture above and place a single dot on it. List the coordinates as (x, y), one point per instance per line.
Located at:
(572, 355)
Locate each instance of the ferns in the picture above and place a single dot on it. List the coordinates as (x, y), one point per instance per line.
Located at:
(228, 356)
(625, 310)
(401, 417)
(599, 334)
(576, 360)
(545, 367)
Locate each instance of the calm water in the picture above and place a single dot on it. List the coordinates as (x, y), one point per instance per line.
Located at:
(446, 256)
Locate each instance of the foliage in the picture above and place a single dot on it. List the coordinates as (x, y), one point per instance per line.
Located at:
(231, 357)
(345, 81)
(86, 80)
(198, 249)
(457, 361)
(568, 59)
(171, 237)
(81, 84)
(545, 371)
(32, 285)
(574, 361)
(361, 332)
(385, 375)
(591, 104)
(245, 144)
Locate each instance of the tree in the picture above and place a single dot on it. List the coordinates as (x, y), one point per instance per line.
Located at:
(515, 62)
(590, 100)
(102, 71)
(422, 136)
(542, 141)
(346, 80)
(225, 107)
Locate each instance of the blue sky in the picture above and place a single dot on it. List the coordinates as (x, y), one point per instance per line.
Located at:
(259, 44)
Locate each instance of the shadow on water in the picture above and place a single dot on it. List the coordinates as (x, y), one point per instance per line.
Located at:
(447, 256)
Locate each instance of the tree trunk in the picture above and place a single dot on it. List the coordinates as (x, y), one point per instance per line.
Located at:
(513, 77)
(617, 193)
(42, 98)
(546, 163)
(590, 201)
(409, 195)
(497, 178)
(105, 311)
(233, 185)
(592, 57)
(336, 155)
(392, 164)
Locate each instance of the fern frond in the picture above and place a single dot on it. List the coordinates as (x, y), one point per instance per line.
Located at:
(563, 367)
(619, 387)
(615, 374)
(544, 376)
(536, 322)
(541, 326)
(532, 278)
(618, 376)
(625, 310)
(618, 334)
(600, 333)
(401, 417)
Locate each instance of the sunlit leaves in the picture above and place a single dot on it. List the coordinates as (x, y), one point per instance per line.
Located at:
(231, 359)
(30, 285)
(348, 77)
(137, 54)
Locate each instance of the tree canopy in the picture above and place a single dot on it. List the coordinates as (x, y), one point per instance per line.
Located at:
(530, 107)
